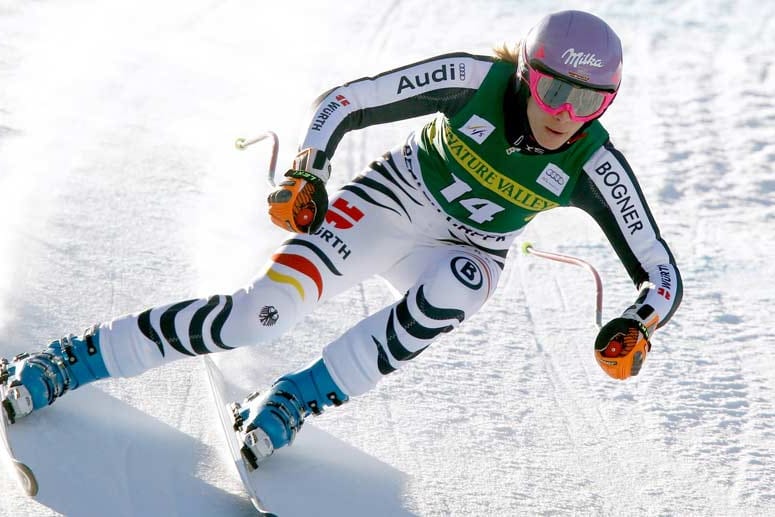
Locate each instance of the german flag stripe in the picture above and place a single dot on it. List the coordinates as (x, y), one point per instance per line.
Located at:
(286, 279)
(303, 266)
(317, 251)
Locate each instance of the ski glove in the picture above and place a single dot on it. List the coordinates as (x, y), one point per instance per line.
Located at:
(623, 343)
(301, 202)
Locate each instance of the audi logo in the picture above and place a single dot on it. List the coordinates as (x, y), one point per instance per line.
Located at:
(556, 177)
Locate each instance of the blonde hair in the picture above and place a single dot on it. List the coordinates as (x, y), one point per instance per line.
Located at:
(506, 52)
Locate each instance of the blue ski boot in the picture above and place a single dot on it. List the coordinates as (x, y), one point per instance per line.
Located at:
(33, 381)
(272, 420)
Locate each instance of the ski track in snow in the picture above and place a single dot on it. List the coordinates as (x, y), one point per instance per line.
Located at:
(120, 189)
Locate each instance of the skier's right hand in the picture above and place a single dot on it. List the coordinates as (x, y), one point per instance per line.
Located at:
(300, 203)
(623, 343)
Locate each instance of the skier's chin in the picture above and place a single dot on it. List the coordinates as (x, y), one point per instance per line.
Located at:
(551, 139)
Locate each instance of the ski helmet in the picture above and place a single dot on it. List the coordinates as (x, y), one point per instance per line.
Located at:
(574, 46)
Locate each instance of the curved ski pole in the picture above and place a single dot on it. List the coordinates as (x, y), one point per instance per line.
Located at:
(528, 249)
(243, 143)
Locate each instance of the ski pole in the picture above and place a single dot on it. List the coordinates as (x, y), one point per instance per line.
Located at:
(528, 249)
(243, 143)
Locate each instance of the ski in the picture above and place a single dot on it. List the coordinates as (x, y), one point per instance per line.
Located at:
(23, 473)
(226, 417)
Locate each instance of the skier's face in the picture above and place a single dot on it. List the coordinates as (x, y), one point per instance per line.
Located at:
(550, 131)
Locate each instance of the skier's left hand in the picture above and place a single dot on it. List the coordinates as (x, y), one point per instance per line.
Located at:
(623, 343)
(301, 202)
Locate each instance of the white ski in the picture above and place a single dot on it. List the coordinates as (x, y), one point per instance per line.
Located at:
(23, 473)
(225, 416)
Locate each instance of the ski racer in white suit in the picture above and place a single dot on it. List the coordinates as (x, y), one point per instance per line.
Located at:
(514, 135)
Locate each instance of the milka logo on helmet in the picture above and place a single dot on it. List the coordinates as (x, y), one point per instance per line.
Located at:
(576, 59)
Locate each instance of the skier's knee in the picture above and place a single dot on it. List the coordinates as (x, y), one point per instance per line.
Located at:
(461, 280)
(260, 315)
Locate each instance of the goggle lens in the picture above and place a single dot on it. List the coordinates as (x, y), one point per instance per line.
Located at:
(555, 95)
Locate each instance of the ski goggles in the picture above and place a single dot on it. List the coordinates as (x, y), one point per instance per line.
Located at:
(555, 95)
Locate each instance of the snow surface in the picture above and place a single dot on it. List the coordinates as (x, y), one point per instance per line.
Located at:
(120, 189)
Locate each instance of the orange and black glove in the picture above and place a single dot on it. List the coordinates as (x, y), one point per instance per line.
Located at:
(623, 343)
(300, 203)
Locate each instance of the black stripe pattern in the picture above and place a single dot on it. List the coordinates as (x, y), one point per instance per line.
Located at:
(218, 323)
(388, 157)
(366, 197)
(436, 313)
(401, 316)
(383, 189)
(388, 171)
(166, 335)
(168, 330)
(383, 363)
(386, 183)
(144, 322)
(197, 323)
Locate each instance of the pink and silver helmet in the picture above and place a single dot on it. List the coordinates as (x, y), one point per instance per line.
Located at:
(572, 60)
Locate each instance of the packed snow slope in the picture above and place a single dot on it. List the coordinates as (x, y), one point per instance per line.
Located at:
(120, 188)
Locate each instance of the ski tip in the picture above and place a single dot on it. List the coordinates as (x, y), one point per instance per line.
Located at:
(260, 508)
(29, 482)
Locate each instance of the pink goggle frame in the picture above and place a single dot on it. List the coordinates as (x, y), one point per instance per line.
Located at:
(554, 95)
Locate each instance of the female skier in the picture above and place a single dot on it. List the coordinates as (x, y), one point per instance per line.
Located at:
(514, 135)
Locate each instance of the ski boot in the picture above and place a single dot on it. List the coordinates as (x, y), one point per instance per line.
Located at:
(33, 381)
(270, 421)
